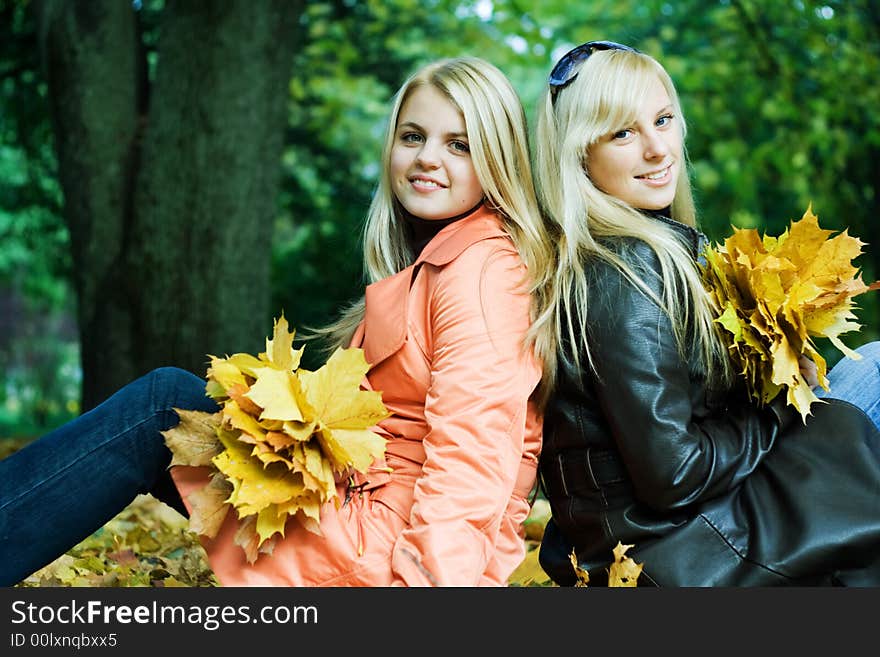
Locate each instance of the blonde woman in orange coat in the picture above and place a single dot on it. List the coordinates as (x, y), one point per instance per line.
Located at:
(450, 240)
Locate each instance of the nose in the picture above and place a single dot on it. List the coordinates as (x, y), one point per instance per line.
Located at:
(428, 156)
(655, 145)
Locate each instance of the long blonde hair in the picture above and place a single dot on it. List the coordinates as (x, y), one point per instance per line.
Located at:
(499, 146)
(585, 222)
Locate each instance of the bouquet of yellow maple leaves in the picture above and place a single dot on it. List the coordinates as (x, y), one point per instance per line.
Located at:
(279, 440)
(775, 295)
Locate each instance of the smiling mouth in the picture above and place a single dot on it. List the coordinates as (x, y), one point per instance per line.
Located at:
(659, 175)
(423, 182)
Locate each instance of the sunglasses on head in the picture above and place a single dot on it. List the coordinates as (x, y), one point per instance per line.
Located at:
(565, 70)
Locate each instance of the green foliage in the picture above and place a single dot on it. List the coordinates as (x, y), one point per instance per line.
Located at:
(38, 346)
(781, 99)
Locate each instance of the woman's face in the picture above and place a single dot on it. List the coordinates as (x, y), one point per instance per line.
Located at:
(432, 174)
(641, 162)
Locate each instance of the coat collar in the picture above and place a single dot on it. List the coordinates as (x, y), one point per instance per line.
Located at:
(385, 326)
(456, 237)
(695, 239)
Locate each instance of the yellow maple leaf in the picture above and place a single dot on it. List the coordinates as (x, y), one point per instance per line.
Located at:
(624, 571)
(224, 374)
(270, 521)
(246, 363)
(278, 441)
(237, 418)
(209, 506)
(335, 394)
(193, 441)
(256, 486)
(344, 412)
(317, 465)
(248, 539)
(784, 367)
(299, 431)
(279, 350)
(355, 448)
(275, 391)
(582, 577)
(238, 394)
(307, 511)
(730, 320)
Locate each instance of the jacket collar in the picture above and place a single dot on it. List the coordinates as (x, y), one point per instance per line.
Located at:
(448, 244)
(695, 239)
(384, 328)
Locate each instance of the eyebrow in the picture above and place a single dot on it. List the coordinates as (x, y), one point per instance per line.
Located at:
(416, 126)
(664, 109)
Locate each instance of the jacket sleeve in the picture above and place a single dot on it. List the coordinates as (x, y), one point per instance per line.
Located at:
(476, 407)
(676, 451)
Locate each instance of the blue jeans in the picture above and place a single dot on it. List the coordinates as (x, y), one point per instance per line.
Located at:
(857, 381)
(59, 489)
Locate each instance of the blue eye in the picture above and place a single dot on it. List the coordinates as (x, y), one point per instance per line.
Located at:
(622, 134)
(665, 120)
(411, 137)
(460, 146)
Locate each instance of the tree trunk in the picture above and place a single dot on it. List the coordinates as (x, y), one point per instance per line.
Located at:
(96, 79)
(171, 205)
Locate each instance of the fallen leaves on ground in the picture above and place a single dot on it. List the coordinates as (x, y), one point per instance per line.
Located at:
(622, 573)
(147, 544)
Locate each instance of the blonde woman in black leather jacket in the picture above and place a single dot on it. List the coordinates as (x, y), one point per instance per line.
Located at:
(649, 439)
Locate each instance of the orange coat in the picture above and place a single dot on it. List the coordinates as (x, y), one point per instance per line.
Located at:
(443, 337)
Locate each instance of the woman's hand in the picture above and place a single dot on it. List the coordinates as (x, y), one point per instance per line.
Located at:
(809, 371)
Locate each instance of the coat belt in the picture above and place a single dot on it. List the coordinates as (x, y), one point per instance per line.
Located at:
(583, 470)
(414, 450)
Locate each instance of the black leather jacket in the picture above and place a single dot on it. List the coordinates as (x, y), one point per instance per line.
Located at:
(698, 481)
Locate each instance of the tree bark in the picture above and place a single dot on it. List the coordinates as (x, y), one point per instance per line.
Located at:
(171, 187)
(96, 80)
(207, 190)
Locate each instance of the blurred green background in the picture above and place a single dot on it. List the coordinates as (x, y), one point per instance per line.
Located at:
(199, 246)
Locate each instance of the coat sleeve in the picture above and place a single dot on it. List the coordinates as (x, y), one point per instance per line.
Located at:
(676, 451)
(476, 406)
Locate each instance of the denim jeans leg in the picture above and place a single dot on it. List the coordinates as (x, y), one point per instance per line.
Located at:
(857, 381)
(60, 488)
